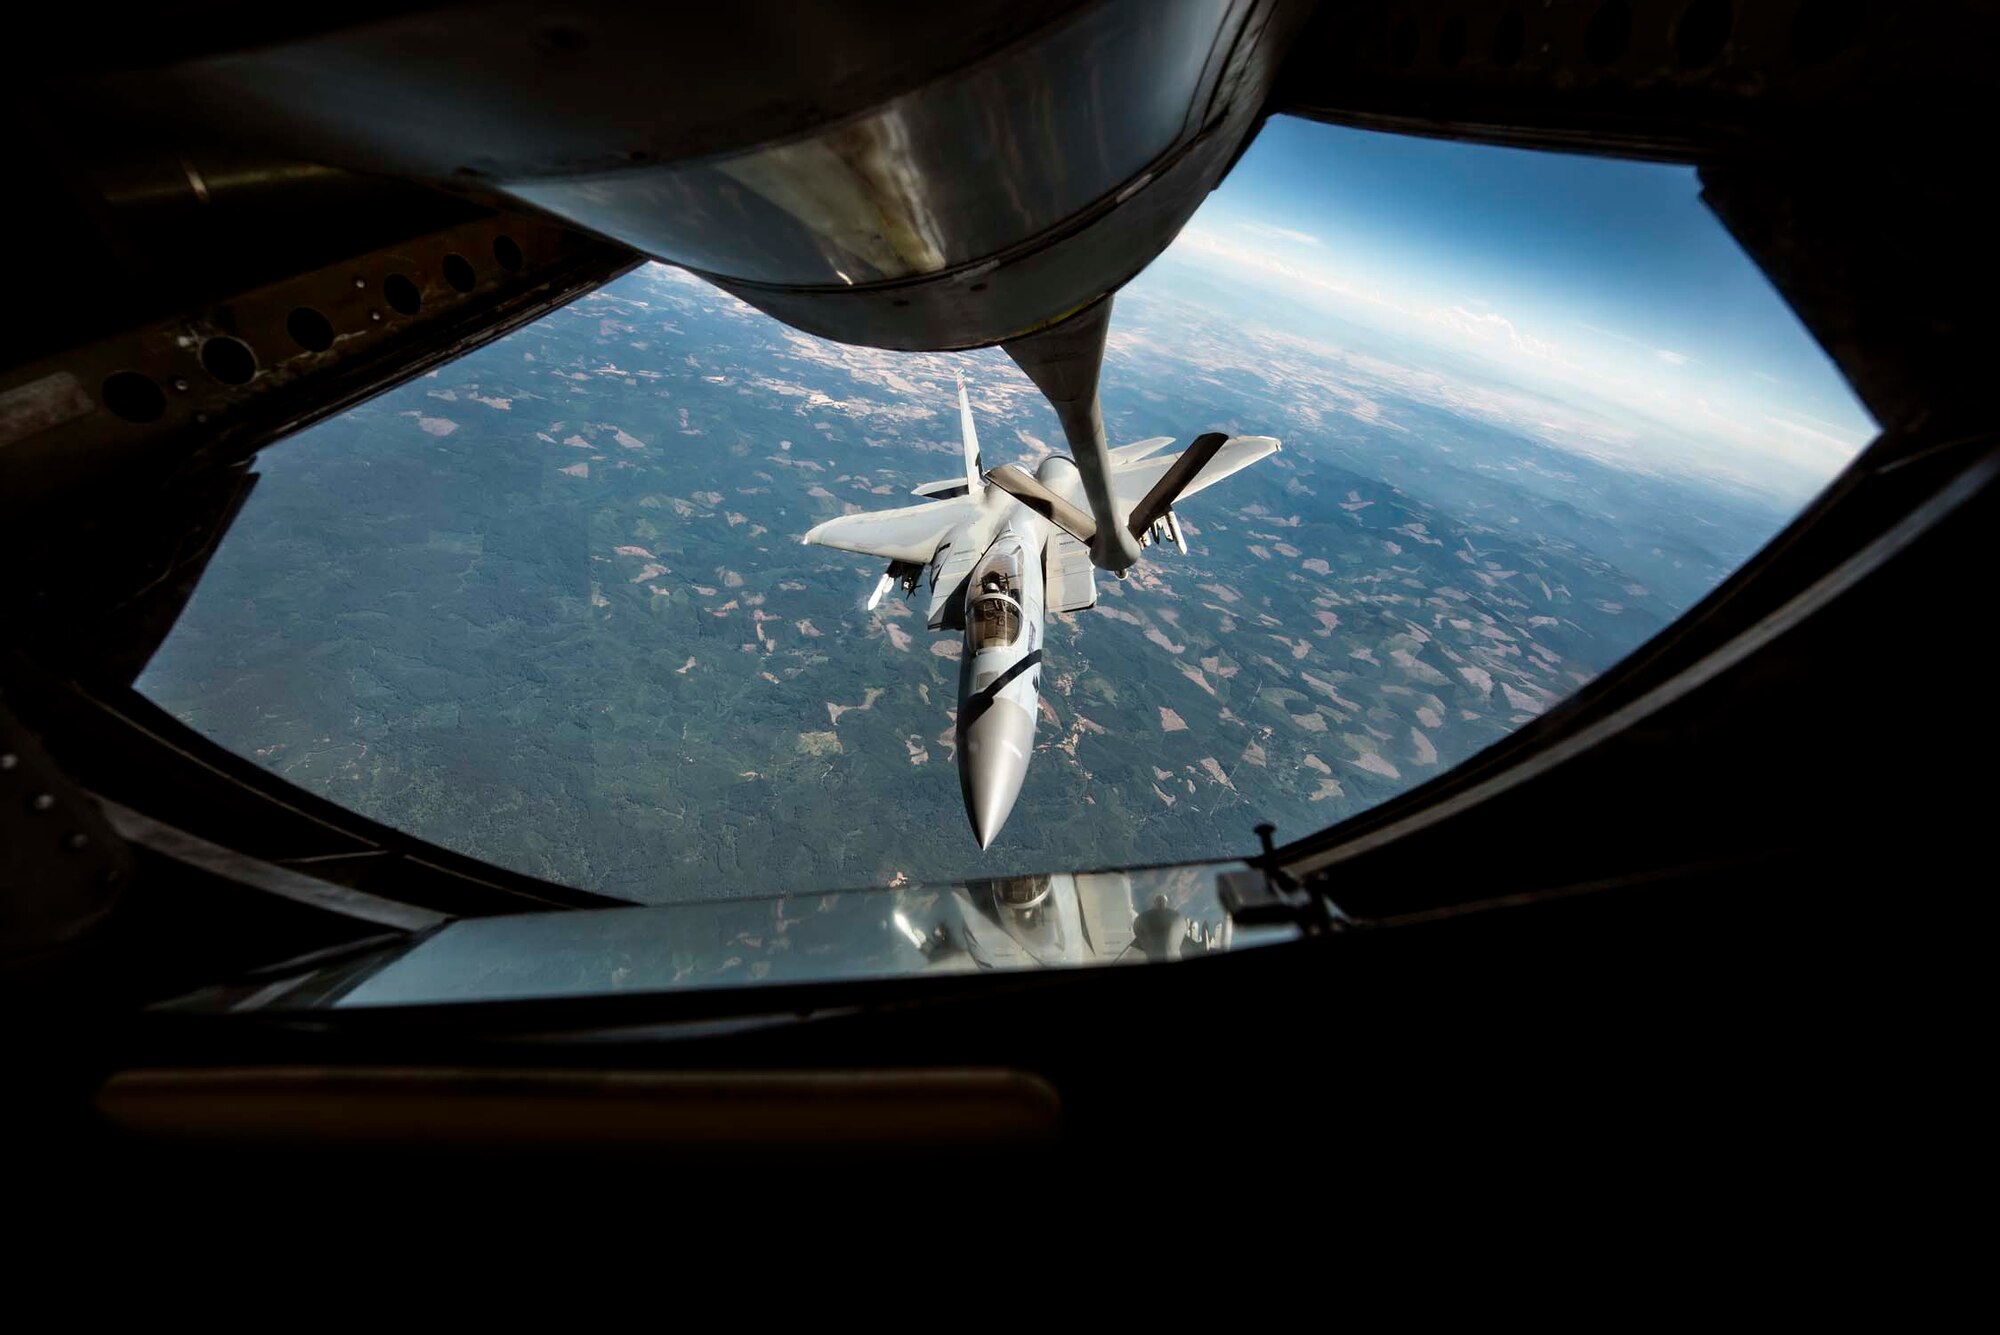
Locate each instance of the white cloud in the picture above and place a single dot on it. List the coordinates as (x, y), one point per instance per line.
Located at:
(1623, 408)
(1667, 355)
(1201, 241)
(1485, 325)
(1281, 233)
(1483, 328)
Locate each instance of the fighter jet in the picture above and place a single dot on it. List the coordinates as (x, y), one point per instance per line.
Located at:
(999, 551)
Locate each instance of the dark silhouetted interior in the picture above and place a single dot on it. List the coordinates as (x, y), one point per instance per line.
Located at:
(1730, 941)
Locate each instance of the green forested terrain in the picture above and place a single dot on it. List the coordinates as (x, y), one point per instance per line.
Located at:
(548, 606)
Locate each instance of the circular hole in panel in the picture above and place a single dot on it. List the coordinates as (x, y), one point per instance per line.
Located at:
(309, 329)
(458, 272)
(133, 397)
(229, 360)
(402, 295)
(507, 255)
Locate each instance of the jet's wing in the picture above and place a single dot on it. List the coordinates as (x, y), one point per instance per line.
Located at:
(909, 534)
(1131, 481)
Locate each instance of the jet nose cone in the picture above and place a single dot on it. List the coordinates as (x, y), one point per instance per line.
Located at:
(993, 756)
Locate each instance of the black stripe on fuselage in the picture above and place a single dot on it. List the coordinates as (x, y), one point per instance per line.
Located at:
(972, 707)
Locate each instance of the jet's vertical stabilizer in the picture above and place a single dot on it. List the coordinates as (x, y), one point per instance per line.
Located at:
(975, 469)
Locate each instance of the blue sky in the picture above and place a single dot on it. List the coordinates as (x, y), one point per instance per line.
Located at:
(1592, 280)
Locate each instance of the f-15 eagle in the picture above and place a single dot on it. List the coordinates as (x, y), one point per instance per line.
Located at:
(1006, 548)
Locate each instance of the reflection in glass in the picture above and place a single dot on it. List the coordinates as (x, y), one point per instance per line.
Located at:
(1156, 915)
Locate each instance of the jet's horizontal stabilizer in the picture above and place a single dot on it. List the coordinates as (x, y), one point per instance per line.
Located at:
(1024, 487)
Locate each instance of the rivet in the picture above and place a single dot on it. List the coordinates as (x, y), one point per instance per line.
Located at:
(180, 385)
(361, 282)
(9, 760)
(375, 315)
(43, 801)
(76, 842)
(200, 418)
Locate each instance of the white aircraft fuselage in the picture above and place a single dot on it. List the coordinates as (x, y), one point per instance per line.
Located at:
(1001, 551)
(1000, 670)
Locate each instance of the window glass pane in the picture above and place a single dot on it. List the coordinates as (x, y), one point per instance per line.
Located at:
(547, 605)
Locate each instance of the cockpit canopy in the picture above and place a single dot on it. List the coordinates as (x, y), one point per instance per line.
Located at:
(995, 622)
(993, 618)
